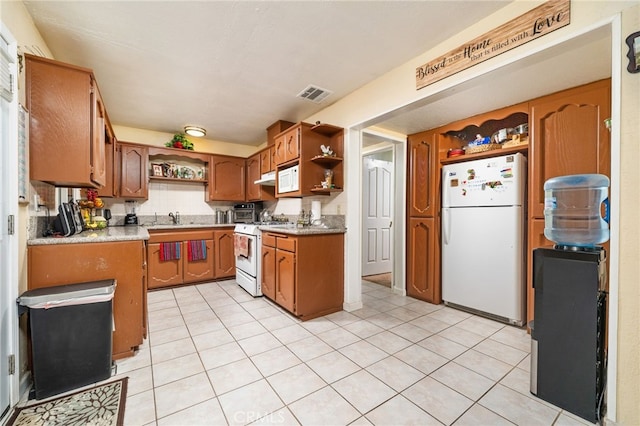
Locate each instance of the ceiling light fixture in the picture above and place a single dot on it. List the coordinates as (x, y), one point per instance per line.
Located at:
(195, 131)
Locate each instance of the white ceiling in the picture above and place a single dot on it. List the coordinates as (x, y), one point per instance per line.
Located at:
(235, 67)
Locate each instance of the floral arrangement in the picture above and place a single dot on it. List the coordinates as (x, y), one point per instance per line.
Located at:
(180, 141)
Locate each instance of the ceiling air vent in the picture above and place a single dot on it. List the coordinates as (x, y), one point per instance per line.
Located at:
(314, 94)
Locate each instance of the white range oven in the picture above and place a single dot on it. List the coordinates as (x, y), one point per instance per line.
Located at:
(247, 242)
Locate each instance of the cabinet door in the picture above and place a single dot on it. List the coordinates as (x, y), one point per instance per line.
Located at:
(162, 273)
(266, 161)
(122, 261)
(98, 163)
(421, 260)
(109, 189)
(269, 272)
(225, 265)
(568, 137)
(198, 270)
(227, 178)
(134, 174)
(59, 99)
(423, 174)
(279, 150)
(253, 174)
(285, 279)
(292, 144)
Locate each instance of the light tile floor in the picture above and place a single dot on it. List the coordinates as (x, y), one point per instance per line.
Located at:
(216, 356)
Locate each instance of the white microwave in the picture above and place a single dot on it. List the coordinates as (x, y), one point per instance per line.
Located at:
(288, 180)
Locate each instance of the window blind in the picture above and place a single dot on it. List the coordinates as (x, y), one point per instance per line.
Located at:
(6, 76)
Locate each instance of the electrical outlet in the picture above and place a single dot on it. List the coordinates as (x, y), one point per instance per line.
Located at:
(339, 209)
(36, 202)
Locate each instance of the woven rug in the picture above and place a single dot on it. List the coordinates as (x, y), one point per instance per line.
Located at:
(100, 405)
(382, 279)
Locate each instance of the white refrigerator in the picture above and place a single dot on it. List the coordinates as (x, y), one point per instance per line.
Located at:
(483, 256)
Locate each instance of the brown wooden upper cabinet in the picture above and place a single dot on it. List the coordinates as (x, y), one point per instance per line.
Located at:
(257, 192)
(569, 137)
(267, 163)
(67, 122)
(226, 178)
(253, 174)
(287, 146)
(301, 145)
(275, 129)
(111, 186)
(133, 170)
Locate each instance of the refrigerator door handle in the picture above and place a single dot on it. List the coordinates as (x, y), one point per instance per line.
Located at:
(445, 188)
(446, 225)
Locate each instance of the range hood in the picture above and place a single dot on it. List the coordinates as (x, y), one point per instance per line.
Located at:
(267, 179)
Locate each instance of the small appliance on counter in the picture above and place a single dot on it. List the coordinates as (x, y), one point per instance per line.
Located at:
(130, 209)
(69, 220)
(106, 213)
(246, 212)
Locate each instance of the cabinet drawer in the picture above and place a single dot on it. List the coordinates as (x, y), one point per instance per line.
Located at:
(287, 244)
(269, 240)
(171, 236)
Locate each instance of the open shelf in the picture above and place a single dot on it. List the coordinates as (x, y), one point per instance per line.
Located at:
(325, 191)
(326, 160)
(487, 154)
(171, 179)
(326, 129)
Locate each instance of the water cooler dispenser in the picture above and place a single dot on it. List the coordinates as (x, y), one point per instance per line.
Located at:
(568, 346)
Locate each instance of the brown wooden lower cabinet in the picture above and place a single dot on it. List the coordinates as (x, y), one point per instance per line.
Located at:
(423, 260)
(124, 261)
(162, 273)
(219, 263)
(268, 283)
(225, 260)
(304, 274)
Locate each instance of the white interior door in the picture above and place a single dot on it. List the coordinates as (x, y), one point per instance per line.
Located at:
(377, 195)
(8, 203)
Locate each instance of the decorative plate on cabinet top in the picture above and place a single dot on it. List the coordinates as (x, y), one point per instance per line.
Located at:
(187, 173)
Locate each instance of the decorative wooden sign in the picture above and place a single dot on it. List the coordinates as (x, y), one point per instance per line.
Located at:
(536, 23)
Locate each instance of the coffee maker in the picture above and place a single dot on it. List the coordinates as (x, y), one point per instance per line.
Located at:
(130, 209)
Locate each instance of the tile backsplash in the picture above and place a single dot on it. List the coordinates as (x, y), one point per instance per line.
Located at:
(189, 200)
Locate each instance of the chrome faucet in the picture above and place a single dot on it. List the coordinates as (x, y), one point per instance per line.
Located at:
(174, 218)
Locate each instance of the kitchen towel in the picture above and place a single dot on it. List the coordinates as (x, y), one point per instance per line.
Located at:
(196, 250)
(241, 245)
(169, 251)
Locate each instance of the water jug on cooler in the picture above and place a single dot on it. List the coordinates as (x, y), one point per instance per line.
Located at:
(576, 210)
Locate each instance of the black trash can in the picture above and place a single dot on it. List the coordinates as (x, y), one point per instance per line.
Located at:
(71, 335)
